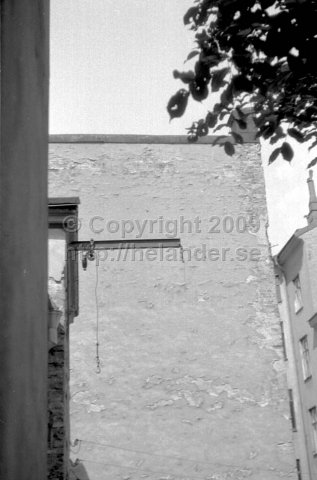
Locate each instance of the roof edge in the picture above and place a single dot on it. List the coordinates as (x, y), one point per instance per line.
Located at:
(146, 139)
(289, 246)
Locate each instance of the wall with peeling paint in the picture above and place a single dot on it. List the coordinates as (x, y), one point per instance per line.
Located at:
(192, 382)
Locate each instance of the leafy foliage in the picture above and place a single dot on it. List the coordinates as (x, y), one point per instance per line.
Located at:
(258, 53)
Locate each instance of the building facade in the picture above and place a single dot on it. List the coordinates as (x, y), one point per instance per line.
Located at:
(176, 358)
(297, 273)
(63, 307)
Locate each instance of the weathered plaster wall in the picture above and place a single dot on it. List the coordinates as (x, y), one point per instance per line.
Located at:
(192, 382)
(23, 249)
(302, 261)
(310, 239)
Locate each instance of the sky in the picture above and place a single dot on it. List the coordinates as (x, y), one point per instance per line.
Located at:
(111, 64)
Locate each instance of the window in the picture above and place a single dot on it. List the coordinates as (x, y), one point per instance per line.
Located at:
(304, 352)
(63, 267)
(298, 469)
(298, 301)
(313, 419)
(292, 409)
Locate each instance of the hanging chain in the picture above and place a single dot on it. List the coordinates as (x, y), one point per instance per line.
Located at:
(98, 367)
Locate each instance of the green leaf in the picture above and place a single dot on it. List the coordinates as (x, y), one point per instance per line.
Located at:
(244, 33)
(267, 3)
(192, 55)
(229, 148)
(266, 131)
(312, 163)
(237, 137)
(277, 135)
(185, 77)
(217, 80)
(202, 129)
(224, 113)
(274, 155)
(190, 15)
(218, 108)
(198, 90)
(201, 36)
(211, 120)
(241, 84)
(226, 97)
(313, 145)
(273, 62)
(177, 104)
(294, 133)
(287, 152)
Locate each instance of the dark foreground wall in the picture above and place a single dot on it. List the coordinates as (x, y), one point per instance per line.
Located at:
(23, 248)
(192, 384)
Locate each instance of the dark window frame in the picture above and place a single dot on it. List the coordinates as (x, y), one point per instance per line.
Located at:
(298, 469)
(292, 409)
(63, 214)
(298, 294)
(305, 358)
(313, 426)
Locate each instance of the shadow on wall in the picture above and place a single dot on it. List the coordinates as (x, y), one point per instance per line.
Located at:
(77, 471)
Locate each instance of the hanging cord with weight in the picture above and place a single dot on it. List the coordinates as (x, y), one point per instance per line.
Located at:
(98, 368)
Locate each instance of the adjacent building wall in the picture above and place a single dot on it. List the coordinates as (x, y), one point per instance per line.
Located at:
(23, 249)
(192, 383)
(293, 368)
(298, 259)
(63, 299)
(58, 363)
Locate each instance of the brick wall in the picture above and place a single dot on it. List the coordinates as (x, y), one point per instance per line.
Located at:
(56, 405)
(192, 382)
(58, 378)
